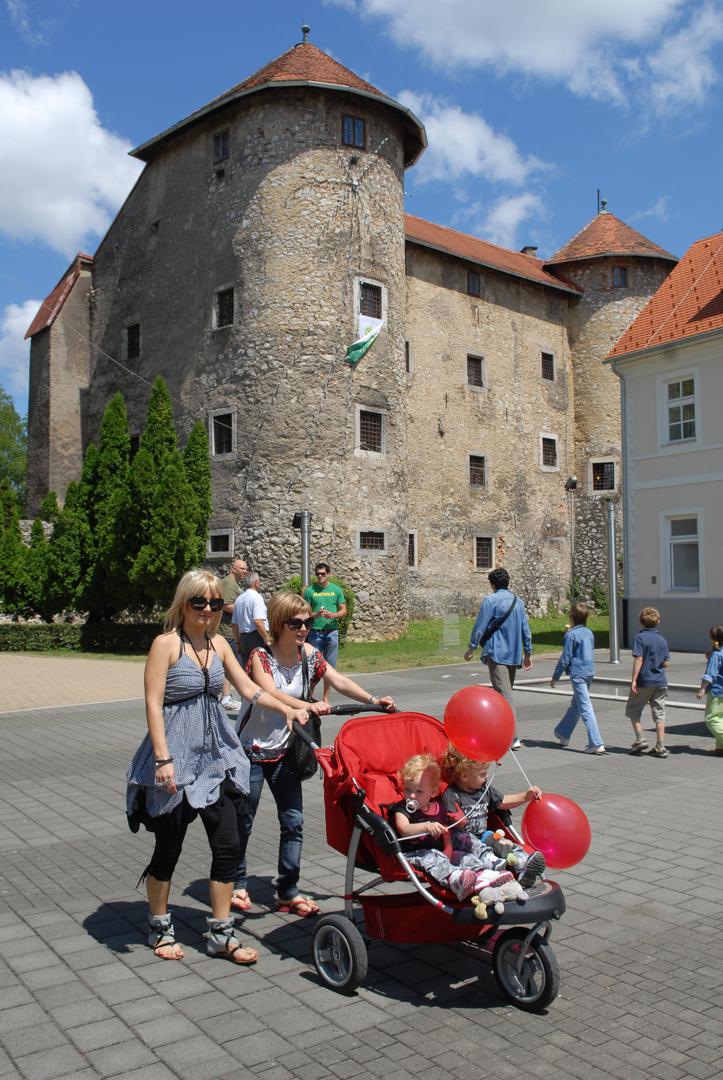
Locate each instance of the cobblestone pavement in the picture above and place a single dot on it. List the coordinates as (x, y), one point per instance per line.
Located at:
(81, 995)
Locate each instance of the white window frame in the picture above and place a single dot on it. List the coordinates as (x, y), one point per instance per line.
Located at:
(483, 536)
(666, 545)
(372, 553)
(543, 378)
(664, 381)
(214, 307)
(133, 320)
(603, 491)
(478, 487)
(415, 564)
(472, 386)
(211, 440)
(220, 555)
(358, 317)
(549, 468)
(359, 408)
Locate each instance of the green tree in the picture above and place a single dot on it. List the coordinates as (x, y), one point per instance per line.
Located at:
(36, 570)
(159, 437)
(13, 580)
(71, 538)
(8, 505)
(198, 473)
(49, 508)
(13, 446)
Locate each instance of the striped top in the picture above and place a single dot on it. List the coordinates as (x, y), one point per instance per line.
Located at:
(203, 744)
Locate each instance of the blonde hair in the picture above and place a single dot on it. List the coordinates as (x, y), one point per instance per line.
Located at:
(649, 617)
(455, 765)
(418, 765)
(193, 583)
(285, 605)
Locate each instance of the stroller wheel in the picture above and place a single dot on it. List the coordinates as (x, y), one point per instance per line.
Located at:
(340, 955)
(531, 981)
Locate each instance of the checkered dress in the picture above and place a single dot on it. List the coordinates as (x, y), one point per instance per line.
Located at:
(204, 746)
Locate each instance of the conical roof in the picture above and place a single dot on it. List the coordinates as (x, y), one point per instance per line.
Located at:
(607, 235)
(303, 65)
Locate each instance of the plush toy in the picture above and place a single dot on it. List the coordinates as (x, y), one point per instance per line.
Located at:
(494, 896)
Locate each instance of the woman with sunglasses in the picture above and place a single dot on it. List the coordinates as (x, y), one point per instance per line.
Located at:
(191, 762)
(266, 741)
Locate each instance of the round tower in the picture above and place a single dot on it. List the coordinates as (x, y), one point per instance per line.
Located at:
(617, 270)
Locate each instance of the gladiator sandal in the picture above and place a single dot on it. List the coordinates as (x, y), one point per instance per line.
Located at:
(222, 941)
(161, 934)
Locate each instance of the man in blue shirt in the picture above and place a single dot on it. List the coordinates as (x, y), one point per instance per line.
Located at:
(509, 646)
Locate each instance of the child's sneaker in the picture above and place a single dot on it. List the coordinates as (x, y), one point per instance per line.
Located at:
(462, 882)
(534, 869)
(492, 878)
(659, 751)
(638, 746)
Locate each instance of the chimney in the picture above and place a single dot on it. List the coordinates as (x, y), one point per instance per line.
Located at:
(529, 249)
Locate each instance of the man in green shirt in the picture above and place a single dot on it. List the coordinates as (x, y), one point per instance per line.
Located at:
(327, 604)
(231, 589)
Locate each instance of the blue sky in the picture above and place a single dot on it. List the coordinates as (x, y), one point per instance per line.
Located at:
(530, 107)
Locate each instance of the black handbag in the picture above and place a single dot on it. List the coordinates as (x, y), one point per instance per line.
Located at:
(300, 757)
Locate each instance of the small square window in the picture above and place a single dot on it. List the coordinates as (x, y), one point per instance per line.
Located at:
(370, 300)
(603, 476)
(220, 543)
(353, 131)
(547, 366)
(549, 452)
(483, 552)
(475, 371)
(133, 341)
(476, 470)
(372, 541)
(371, 431)
(221, 142)
(222, 435)
(224, 308)
(412, 550)
(620, 277)
(474, 283)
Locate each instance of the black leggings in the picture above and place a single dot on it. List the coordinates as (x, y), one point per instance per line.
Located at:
(222, 829)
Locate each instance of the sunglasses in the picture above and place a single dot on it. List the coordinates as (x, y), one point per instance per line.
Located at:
(297, 624)
(198, 603)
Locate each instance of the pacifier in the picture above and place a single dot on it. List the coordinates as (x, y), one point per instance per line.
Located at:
(411, 805)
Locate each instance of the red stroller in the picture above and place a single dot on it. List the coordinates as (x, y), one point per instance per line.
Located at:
(360, 780)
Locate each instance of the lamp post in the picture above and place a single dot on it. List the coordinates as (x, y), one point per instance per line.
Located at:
(302, 521)
(570, 487)
(612, 582)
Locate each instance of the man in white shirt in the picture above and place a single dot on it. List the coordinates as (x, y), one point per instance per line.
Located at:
(249, 621)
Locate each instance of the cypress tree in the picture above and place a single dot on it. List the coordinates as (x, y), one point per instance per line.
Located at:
(36, 570)
(198, 473)
(70, 539)
(13, 579)
(49, 509)
(159, 437)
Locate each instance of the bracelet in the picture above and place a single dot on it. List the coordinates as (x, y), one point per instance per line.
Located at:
(374, 700)
(163, 761)
(256, 696)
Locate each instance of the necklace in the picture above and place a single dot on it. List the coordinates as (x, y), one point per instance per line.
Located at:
(203, 666)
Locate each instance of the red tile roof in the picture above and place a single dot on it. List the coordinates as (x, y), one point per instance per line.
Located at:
(482, 252)
(50, 307)
(689, 302)
(304, 65)
(607, 235)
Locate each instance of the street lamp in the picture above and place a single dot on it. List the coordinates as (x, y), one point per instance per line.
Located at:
(570, 487)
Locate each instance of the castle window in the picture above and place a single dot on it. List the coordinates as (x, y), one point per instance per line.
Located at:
(133, 341)
(220, 544)
(353, 131)
(372, 540)
(474, 283)
(680, 409)
(483, 552)
(547, 366)
(222, 425)
(548, 453)
(370, 430)
(412, 552)
(475, 371)
(223, 309)
(602, 475)
(477, 470)
(370, 300)
(620, 277)
(408, 363)
(221, 142)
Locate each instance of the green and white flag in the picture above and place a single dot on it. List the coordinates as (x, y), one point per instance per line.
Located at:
(369, 332)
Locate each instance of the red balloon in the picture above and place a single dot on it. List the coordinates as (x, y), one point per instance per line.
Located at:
(479, 723)
(558, 827)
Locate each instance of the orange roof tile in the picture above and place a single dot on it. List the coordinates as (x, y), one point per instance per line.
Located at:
(607, 235)
(689, 302)
(441, 238)
(304, 65)
(50, 307)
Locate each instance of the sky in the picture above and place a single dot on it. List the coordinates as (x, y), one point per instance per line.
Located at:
(530, 106)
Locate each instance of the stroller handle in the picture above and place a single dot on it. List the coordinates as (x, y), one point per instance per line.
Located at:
(354, 708)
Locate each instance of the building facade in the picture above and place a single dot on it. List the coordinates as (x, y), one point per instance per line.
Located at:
(265, 229)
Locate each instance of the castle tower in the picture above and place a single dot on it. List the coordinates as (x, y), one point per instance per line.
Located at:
(617, 270)
(264, 229)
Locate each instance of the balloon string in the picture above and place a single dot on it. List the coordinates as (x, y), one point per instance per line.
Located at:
(517, 763)
(463, 820)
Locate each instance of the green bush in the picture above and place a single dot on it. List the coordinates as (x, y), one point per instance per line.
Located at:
(294, 585)
(78, 637)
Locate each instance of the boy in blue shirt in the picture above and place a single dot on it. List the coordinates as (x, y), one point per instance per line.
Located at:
(649, 684)
(578, 661)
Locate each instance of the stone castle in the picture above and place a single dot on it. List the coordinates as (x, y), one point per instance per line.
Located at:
(266, 232)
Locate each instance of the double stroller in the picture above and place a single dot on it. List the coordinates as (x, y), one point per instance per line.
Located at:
(360, 781)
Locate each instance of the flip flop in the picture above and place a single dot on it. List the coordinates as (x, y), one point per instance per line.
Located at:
(303, 906)
(241, 901)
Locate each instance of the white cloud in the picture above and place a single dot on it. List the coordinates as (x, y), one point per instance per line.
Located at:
(500, 221)
(31, 33)
(463, 144)
(659, 211)
(656, 51)
(62, 175)
(15, 352)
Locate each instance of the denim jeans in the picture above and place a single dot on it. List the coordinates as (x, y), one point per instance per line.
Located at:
(580, 706)
(327, 643)
(286, 790)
